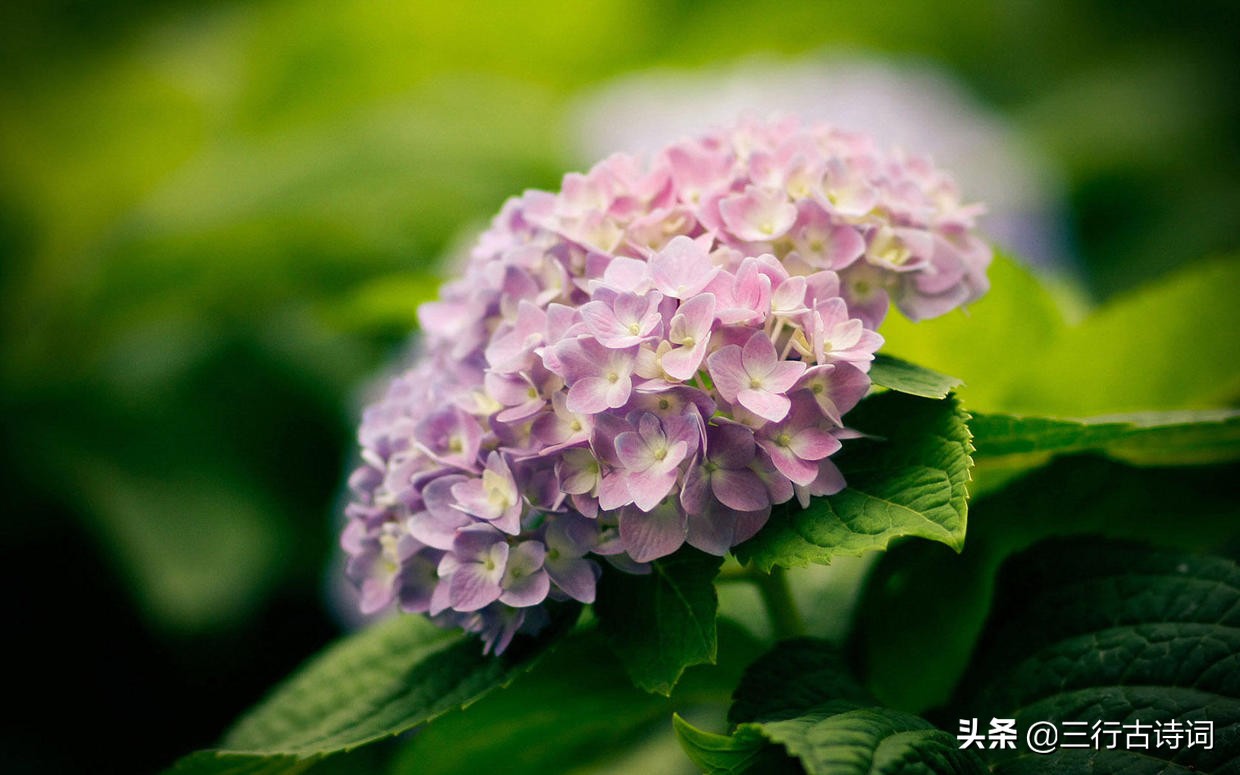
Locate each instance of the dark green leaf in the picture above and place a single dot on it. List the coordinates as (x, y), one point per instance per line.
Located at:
(577, 706)
(802, 696)
(908, 480)
(793, 677)
(1086, 630)
(904, 377)
(369, 686)
(224, 763)
(923, 606)
(744, 751)
(837, 739)
(662, 622)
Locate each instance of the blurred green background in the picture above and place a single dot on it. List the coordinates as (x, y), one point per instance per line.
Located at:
(217, 218)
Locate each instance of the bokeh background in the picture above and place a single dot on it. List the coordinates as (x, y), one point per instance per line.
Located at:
(217, 218)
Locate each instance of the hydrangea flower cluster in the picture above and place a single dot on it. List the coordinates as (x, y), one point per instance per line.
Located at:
(654, 356)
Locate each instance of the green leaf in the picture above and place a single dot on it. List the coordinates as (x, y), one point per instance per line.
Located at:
(988, 345)
(1167, 346)
(905, 377)
(1008, 446)
(923, 606)
(576, 708)
(795, 676)
(744, 751)
(1151, 438)
(660, 623)
(380, 682)
(802, 696)
(837, 739)
(1087, 630)
(909, 479)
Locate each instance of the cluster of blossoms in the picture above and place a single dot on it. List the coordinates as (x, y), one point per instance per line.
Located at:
(652, 357)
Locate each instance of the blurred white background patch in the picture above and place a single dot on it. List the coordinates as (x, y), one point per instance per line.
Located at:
(901, 103)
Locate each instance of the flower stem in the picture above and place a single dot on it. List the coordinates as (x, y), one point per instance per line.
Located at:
(777, 596)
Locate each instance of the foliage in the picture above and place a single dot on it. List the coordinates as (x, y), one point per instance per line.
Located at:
(1095, 587)
(216, 219)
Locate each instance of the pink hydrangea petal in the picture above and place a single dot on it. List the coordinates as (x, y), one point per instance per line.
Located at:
(829, 480)
(731, 446)
(739, 489)
(765, 404)
(845, 245)
(759, 355)
(727, 371)
(695, 490)
(813, 444)
(583, 316)
(783, 375)
(618, 392)
(528, 591)
(684, 362)
(649, 535)
(758, 214)
(777, 484)
(576, 577)
(590, 395)
(473, 587)
(376, 595)
(682, 268)
(649, 487)
(711, 532)
(797, 471)
(614, 491)
(749, 523)
(633, 451)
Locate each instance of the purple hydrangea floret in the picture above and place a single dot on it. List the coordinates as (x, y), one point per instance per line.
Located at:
(653, 357)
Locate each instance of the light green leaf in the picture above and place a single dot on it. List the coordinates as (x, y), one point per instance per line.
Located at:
(895, 374)
(1166, 346)
(1169, 345)
(745, 751)
(1008, 446)
(909, 479)
(1086, 630)
(921, 594)
(1154, 437)
(372, 685)
(988, 345)
(660, 623)
(222, 763)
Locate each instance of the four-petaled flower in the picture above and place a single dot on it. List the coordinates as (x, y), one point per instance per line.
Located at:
(755, 377)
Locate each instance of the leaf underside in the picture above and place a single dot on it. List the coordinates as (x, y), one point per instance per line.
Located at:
(662, 622)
